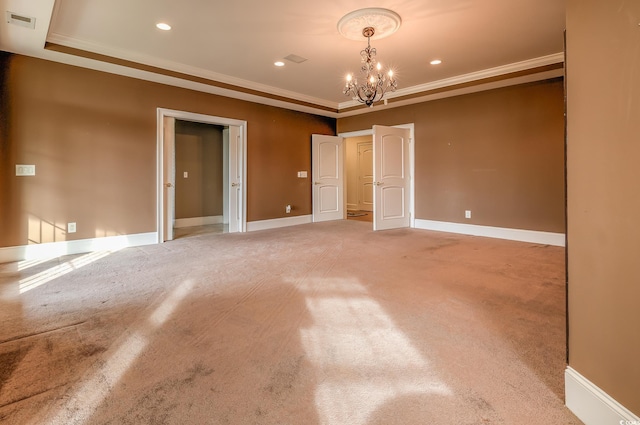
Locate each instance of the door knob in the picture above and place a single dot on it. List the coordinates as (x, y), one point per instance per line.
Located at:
(168, 185)
(235, 184)
(316, 183)
(378, 183)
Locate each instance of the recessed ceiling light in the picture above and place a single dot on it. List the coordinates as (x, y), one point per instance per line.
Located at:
(435, 62)
(164, 27)
(279, 63)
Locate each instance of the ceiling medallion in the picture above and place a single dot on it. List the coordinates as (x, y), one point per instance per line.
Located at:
(384, 22)
(376, 24)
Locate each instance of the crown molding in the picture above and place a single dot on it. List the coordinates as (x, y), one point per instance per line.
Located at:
(466, 78)
(272, 96)
(97, 65)
(98, 57)
(442, 94)
(184, 69)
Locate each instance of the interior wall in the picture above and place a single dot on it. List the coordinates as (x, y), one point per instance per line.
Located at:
(92, 137)
(198, 153)
(498, 153)
(603, 117)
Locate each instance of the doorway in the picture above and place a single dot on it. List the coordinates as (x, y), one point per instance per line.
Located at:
(199, 165)
(185, 197)
(359, 177)
(393, 168)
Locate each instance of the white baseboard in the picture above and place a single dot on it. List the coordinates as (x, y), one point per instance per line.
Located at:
(533, 236)
(197, 221)
(592, 405)
(278, 222)
(57, 249)
(352, 207)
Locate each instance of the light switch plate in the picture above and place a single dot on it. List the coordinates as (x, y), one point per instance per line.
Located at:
(25, 170)
(302, 174)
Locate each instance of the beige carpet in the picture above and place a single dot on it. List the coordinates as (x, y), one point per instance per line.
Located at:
(326, 323)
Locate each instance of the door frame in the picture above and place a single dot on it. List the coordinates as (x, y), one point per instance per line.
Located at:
(160, 177)
(412, 144)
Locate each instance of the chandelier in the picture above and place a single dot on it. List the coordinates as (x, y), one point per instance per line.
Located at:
(368, 22)
(376, 83)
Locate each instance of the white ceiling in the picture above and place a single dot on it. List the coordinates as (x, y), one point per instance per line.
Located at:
(237, 41)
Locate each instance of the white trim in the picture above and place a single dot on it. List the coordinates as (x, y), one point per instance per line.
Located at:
(81, 246)
(530, 78)
(34, 48)
(32, 44)
(278, 222)
(199, 72)
(96, 65)
(466, 78)
(533, 236)
(592, 405)
(197, 221)
(183, 69)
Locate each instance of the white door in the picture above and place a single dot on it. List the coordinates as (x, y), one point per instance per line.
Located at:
(169, 172)
(365, 176)
(392, 182)
(235, 179)
(328, 177)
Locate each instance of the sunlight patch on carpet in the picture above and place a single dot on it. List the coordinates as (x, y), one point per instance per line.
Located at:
(27, 264)
(87, 398)
(46, 276)
(366, 361)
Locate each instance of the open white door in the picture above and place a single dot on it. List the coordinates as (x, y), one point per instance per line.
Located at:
(169, 172)
(328, 177)
(235, 179)
(391, 173)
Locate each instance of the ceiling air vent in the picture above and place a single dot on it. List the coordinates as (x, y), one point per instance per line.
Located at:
(23, 21)
(295, 58)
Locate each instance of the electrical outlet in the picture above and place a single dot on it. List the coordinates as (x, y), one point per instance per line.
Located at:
(467, 214)
(71, 227)
(287, 209)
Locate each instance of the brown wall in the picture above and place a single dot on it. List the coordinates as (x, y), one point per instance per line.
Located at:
(199, 153)
(92, 137)
(603, 175)
(498, 153)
